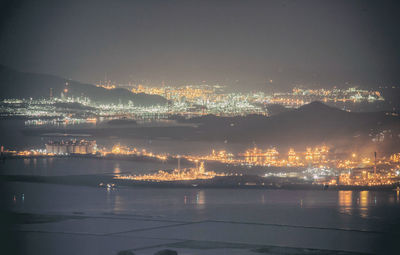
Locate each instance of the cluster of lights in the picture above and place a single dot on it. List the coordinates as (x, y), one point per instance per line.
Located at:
(366, 178)
(188, 101)
(197, 173)
(125, 150)
(270, 157)
(354, 171)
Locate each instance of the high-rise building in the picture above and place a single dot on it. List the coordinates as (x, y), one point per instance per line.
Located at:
(71, 147)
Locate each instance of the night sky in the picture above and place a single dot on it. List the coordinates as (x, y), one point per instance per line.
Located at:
(250, 42)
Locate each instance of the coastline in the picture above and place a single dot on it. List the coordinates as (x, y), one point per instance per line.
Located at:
(101, 181)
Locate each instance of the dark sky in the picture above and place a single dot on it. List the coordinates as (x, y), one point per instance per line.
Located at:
(323, 42)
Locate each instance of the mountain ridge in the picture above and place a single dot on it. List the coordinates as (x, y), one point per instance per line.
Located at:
(17, 84)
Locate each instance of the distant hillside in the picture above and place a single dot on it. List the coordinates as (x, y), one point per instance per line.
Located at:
(309, 125)
(16, 84)
(314, 121)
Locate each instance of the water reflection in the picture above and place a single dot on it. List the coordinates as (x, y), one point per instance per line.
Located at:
(364, 202)
(109, 199)
(200, 199)
(346, 205)
(118, 203)
(117, 170)
(345, 201)
(44, 160)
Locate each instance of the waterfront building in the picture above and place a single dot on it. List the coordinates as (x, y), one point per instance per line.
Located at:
(71, 147)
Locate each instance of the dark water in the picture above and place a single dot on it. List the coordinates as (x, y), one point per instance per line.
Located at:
(357, 221)
(343, 209)
(14, 138)
(77, 166)
(362, 221)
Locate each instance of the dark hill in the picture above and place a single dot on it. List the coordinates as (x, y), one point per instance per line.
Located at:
(16, 84)
(311, 123)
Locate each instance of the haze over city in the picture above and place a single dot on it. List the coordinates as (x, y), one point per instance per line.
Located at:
(199, 127)
(250, 42)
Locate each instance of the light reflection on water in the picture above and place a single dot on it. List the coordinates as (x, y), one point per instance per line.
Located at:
(118, 203)
(201, 199)
(347, 209)
(201, 202)
(347, 204)
(356, 203)
(117, 170)
(364, 202)
(345, 201)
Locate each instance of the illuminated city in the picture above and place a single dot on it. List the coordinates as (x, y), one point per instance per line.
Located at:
(187, 101)
(199, 127)
(318, 164)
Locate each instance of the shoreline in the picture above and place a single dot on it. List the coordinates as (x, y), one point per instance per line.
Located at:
(96, 180)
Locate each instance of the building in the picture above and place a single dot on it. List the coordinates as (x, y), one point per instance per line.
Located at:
(71, 147)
